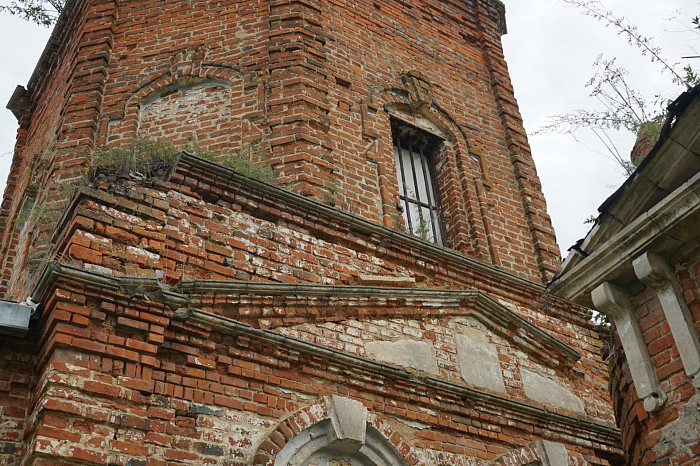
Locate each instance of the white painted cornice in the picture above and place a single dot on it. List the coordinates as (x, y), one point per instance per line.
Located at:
(663, 229)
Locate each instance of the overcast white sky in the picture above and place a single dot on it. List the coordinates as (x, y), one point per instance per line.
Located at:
(550, 49)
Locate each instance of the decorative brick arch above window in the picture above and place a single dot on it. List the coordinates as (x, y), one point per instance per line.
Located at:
(192, 101)
(336, 428)
(413, 103)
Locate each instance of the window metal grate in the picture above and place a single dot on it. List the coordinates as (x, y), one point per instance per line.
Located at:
(415, 168)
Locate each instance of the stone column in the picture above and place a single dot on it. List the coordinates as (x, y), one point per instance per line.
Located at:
(615, 302)
(655, 272)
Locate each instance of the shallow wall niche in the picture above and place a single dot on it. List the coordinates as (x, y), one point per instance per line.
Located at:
(478, 360)
(346, 439)
(196, 110)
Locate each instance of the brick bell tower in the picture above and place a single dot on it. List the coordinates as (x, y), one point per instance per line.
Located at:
(285, 232)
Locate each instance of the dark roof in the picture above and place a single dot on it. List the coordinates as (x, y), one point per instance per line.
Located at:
(673, 160)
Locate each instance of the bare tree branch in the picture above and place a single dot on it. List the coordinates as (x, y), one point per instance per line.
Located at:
(41, 12)
(596, 10)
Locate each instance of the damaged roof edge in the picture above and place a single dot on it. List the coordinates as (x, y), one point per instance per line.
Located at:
(502, 11)
(52, 43)
(679, 112)
(675, 109)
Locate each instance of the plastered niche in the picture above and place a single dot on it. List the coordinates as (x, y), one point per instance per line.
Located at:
(478, 360)
(203, 112)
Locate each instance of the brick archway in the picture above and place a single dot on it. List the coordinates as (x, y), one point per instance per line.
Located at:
(330, 411)
(188, 70)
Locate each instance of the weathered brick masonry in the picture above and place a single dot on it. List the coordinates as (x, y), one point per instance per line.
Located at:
(640, 265)
(198, 315)
(674, 431)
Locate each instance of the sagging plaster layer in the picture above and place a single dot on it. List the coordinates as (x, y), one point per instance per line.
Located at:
(550, 393)
(478, 361)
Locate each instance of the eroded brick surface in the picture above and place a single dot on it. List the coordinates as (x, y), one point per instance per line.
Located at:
(123, 374)
(672, 433)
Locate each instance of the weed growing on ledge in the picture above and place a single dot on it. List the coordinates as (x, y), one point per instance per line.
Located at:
(145, 158)
(236, 162)
(148, 158)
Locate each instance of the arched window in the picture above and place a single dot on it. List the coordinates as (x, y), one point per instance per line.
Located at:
(319, 445)
(420, 203)
(341, 436)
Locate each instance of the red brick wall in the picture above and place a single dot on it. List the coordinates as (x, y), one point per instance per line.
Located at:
(17, 382)
(122, 382)
(66, 95)
(672, 433)
(307, 87)
(185, 238)
(308, 90)
(144, 228)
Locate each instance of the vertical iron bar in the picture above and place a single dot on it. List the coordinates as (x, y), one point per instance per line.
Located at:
(427, 178)
(403, 181)
(415, 180)
(438, 206)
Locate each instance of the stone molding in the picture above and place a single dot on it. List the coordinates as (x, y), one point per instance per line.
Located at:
(313, 428)
(154, 290)
(551, 453)
(654, 271)
(349, 418)
(635, 239)
(230, 326)
(485, 309)
(615, 302)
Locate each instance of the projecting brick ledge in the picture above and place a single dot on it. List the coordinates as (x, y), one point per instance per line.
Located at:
(490, 312)
(556, 421)
(204, 176)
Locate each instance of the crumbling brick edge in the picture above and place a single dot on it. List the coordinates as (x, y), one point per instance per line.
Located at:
(158, 292)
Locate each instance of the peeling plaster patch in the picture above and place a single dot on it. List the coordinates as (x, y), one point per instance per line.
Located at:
(510, 306)
(142, 252)
(290, 391)
(682, 433)
(318, 411)
(98, 269)
(478, 360)
(91, 237)
(410, 423)
(134, 220)
(549, 392)
(253, 421)
(419, 355)
(471, 322)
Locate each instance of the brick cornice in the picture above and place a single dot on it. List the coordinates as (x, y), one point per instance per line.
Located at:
(202, 175)
(155, 291)
(144, 285)
(607, 435)
(489, 310)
